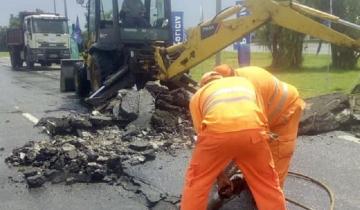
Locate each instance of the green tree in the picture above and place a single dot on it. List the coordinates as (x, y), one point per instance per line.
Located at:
(3, 38)
(14, 21)
(286, 46)
(345, 58)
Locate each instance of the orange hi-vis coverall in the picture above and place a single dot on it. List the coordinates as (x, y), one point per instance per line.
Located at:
(230, 126)
(283, 108)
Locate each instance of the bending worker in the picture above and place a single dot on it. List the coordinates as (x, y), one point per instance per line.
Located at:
(230, 126)
(283, 108)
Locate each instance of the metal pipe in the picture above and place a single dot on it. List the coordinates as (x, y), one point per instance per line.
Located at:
(330, 17)
(331, 10)
(313, 12)
(218, 55)
(115, 14)
(349, 24)
(224, 14)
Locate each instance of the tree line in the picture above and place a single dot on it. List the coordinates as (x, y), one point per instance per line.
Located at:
(286, 46)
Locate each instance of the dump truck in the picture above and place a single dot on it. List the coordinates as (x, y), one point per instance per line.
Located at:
(124, 52)
(41, 38)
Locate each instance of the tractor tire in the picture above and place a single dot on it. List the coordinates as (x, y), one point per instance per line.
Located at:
(105, 63)
(28, 61)
(82, 85)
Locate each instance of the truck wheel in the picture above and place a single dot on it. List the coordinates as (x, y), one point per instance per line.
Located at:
(82, 85)
(29, 63)
(16, 61)
(13, 61)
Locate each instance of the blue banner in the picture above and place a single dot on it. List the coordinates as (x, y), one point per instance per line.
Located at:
(243, 45)
(177, 20)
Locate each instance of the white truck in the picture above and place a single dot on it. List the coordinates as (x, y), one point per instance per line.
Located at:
(41, 38)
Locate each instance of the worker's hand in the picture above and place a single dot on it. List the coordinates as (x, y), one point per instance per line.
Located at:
(225, 186)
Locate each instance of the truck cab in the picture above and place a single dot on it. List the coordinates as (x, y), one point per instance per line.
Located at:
(46, 39)
(41, 38)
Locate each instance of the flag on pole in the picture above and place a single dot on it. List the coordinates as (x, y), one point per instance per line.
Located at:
(77, 32)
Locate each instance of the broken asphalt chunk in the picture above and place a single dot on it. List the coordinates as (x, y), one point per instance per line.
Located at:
(35, 181)
(139, 145)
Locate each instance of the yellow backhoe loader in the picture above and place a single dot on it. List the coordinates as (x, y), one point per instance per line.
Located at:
(121, 54)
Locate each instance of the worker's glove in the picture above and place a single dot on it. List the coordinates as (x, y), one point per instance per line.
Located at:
(239, 184)
(225, 186)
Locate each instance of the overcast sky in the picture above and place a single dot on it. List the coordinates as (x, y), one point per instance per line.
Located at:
(190, 7)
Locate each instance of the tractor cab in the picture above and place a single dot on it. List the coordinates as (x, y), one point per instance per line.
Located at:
(114, 23)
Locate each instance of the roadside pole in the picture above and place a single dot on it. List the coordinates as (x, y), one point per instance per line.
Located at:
(65, 9)
(54, 6)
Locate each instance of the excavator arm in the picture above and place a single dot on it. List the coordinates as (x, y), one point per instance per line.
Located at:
(225, 28)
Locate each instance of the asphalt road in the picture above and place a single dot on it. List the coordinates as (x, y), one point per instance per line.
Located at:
(332, 158)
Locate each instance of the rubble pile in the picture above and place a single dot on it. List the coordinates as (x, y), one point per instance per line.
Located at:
(327, 113)
(96, 147)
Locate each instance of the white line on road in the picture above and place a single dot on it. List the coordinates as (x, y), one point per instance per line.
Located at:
(350, 138)
(30, 117)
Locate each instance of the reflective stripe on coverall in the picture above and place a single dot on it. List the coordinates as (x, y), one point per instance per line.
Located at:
(283, 108)
(230, 126)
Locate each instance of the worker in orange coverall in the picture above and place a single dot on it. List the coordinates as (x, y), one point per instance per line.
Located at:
(230, 126)
(283, 108)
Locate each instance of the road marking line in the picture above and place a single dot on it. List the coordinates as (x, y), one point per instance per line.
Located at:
(30, 117)
(350, 138)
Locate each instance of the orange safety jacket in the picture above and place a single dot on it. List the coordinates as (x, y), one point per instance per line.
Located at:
(227, 105)
(278, 96)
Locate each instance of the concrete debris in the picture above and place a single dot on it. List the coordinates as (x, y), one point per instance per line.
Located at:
(96, 147)
(100, 121)
(127, 108)
(164, 121)
(146, 110)
(35, 181)
(156, 89)
(327, 113)
(30, 172)
(139, 145)
(64, 125)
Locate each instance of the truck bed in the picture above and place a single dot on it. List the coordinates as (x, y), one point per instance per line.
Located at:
(15, 37)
